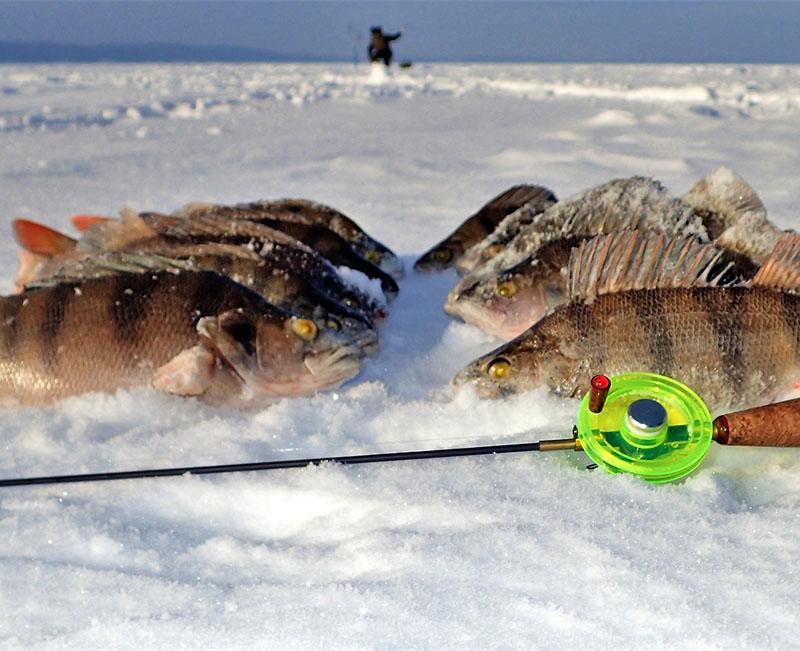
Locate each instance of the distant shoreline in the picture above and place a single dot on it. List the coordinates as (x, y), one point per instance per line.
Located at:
(64, 53)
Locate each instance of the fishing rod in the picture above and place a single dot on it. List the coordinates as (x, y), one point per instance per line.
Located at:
(644, 424)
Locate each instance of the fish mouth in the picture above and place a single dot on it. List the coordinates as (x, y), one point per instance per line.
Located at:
(482, 316)
(332, 368)
(365, 340)
(427, 265)
(472, 375)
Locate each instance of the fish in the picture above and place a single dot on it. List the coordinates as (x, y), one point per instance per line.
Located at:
(307, 212)
(47, 254)
(508, 303)
(733, 214)
(280, 285)
(657, 309)
(192, 334)
(318, 238)
(475, 228)
(110, 234)
(622, 204)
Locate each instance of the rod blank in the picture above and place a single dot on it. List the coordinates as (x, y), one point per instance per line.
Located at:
(271, 465)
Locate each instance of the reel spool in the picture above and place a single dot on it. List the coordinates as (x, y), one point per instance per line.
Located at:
(644, 424)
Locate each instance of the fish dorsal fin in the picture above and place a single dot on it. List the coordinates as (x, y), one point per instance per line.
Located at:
(116, 234)
(722, 198)
(83, 222)
(781, 270)
(41, 240)
(641, 260)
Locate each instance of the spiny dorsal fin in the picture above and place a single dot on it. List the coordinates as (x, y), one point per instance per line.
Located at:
(83, 222)
(116, 234)
(781, 270)
(41, 240)
(641, 260)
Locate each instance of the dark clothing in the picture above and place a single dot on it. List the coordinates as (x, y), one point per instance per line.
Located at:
(379, 49)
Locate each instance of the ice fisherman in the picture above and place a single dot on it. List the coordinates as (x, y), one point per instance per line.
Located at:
(379, 49)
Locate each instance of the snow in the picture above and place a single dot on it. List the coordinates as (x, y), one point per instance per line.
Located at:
(519, 551)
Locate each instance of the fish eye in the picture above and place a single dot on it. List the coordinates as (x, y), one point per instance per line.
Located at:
(305, 329)
(351, 301)
(506, 289)
(332, 324)
(499, 368)
(443, 255)
(495, 248)
(374, 257)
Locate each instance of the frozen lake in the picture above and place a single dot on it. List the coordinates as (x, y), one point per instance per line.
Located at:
(515, 552)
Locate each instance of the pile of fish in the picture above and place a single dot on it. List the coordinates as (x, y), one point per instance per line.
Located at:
(626, 277)
(239, 305)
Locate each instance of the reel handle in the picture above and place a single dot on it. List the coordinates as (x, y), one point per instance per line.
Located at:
(776, 425)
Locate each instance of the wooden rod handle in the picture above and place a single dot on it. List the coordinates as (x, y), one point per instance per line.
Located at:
(776, 425)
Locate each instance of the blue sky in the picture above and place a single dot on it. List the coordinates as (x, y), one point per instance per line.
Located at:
(446, 31)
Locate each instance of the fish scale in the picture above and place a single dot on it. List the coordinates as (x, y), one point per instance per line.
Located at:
(113, 332)
(723, 342)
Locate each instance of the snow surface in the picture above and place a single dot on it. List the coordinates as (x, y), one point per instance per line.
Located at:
(523, 551)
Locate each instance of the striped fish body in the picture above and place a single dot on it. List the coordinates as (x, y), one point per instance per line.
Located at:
(103, 334)
(474, 229)
(306, 212)
(238, 249)
(116, 332)
(508, 304)
(734, 346)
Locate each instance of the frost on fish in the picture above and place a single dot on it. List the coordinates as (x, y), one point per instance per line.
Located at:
(725, 342)
(477, 227)
(307, 212)
(733, 214)
(622, 204)
(249, 251)
(504, 231)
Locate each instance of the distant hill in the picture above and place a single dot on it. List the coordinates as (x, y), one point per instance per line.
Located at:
(32, 52)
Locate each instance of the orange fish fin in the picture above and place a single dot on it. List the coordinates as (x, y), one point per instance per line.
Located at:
(781, 270)
(189, 373)
(630, 260)
(82, 222)
(40, 239)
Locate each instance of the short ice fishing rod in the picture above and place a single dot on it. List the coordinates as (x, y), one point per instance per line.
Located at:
(642, 424)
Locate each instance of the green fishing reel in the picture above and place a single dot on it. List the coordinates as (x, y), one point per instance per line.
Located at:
(644, 424)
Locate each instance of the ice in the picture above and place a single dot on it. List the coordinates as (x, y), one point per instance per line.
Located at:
(527, 551)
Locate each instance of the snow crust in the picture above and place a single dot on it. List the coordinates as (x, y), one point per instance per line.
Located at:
(524, 551)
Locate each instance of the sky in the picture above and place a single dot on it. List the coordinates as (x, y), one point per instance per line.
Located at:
(748, 32)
